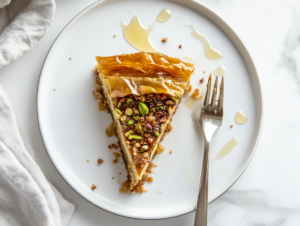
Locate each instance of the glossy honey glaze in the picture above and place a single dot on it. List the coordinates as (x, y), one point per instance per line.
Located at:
(228, 147)
(138, 35)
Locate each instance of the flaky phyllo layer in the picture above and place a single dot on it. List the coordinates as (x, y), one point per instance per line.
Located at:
(144, 73)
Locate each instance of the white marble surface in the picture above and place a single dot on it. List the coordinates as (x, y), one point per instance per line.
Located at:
(268, 191)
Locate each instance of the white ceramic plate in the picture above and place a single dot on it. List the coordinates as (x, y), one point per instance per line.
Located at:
(74, 130)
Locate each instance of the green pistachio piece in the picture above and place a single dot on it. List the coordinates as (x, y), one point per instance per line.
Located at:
(128, 133)
(135, 137)
(128, 100)
(174, 99)
(144, 148)
(144, 110)
(156, 133)
(123, 118)
(136, 117)
(146, 130)
(117, 113)
(119, 104)
(153, 109)
(129, 111)
(159, 108)
(130, 122)
(143, 98)
(170, 110)
(139, 128)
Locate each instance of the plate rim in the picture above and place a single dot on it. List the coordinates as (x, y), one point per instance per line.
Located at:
(211, 15)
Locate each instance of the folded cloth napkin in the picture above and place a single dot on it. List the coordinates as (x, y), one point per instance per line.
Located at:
(26, 197)
(22, 24)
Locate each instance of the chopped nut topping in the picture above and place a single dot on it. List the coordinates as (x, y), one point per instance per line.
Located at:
(93, 187)
(113, 146)
(231, 126)
(202, 80)
(164, 39)
(114, 36)
(100, 161)
(197, 95)
(70, 58)
(180, 46)
(204, 72)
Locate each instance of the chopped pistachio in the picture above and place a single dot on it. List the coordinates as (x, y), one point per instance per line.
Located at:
(123, 118)
(129, 111)
(144, 148)
(175, 99)
(128, 133)
(143, 98)
(130, 122)
(146, 130)
(136, 117)
(135, 137)
(144, 110)
(139, 128)
(128, 100)
(153, 109)
(159, 108)
(119, 104)
(156, 133)
(117, 113)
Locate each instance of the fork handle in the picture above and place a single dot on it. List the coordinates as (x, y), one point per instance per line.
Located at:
(201, 207)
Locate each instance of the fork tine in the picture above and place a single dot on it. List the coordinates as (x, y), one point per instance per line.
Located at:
(221, 95)
(208, 90)
(214, 97)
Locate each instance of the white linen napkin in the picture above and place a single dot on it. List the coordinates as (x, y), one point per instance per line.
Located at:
(22, 24)
(26, 197)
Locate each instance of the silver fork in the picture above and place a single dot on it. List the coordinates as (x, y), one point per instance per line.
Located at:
(210, 120)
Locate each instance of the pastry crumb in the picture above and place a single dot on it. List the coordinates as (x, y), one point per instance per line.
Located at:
(197, 95)
(164, 39)
(87, 160)
(231, 126)
(54, 90)
(202, 80)
(113, 178)
(204, 72)
(171, 151)
(113, 146)
(93, 187)
(189, 88)
(114, 36)
(70, 58)
(110, 130)
(179, 46)
(117, 155)
(100, 161)
(158, 192)
(160, 149)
